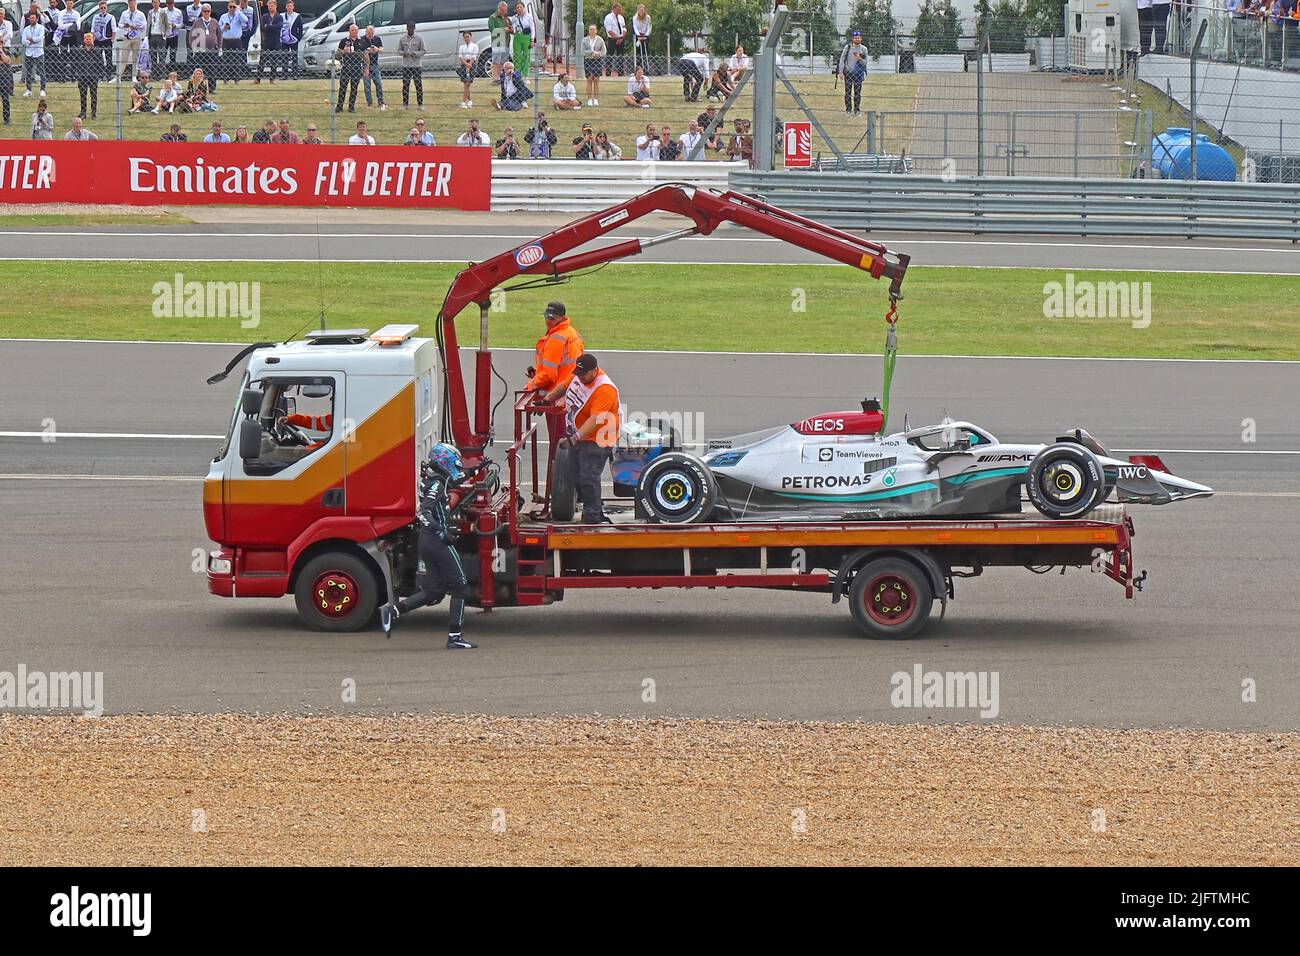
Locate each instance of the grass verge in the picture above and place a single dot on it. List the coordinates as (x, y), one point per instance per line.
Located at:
(93, 219)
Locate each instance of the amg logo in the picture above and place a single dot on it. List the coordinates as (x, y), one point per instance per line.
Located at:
(1133, 471)
(983, 458)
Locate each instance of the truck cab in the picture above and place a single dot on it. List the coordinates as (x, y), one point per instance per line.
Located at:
(320, 462)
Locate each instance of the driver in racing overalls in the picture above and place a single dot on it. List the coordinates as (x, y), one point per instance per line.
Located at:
(439, 572)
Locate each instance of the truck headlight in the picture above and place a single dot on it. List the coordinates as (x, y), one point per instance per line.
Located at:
(218, 563)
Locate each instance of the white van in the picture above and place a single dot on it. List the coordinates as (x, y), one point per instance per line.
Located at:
(439, 22)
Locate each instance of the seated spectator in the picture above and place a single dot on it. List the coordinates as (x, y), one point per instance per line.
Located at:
(241, 135)
(564, 95)
(638, 90)
(741, 144)
(169, 97)
(426, 138)
(174, 135)
(412, 138)
(473, 136)
(196, 93)
(285, 135)
(692, 142)
(669, 148)
(738, 64)
(514, 91)
(361, 137)
(216, 136)
(606, 148)
(79, 131)
(506, 146)
(647, 146)
(705, 120)
(311, 139)
(541, 138)
(720, 85)
(264, 134)
(141, 93)
(584, 144)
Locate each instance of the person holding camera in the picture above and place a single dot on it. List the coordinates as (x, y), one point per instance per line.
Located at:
(42, 122)
(541, 139)
(584, 144)
(515, 93)
(507, 147)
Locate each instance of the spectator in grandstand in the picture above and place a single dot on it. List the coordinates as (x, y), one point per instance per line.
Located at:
(269, 24)
(641, 37)
(371, 46)
(720, 85)
(638, 90)
(647, 146)
(738, 64)
(523, 37)
(241, 135)
(79, 131)
(196, 93)
(616, 40)
(499, 29)
(607, 149)
(169, 97)
(669, 149)
(692, 142)
(506, 146)
(593, 63)
(205, 40)
(6, 73)
(284, 135)
(350, 68)
(467, 61)
(584, 144)
(174, 135)
(514, 91)
(87, 66)
(694, 67)
(42, 122)
(292, 25)
(411, 48)
(33, 39)
(361, 137)
(141, 93)
(216, 136)
(311, 139)
(103, 28)
(741, 144)
(132, 27)
(473, 136)
(852, 68)
(264, 134)
(541, 139)
(563, 94)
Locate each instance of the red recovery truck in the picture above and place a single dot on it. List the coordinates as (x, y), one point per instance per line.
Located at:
(314, 491)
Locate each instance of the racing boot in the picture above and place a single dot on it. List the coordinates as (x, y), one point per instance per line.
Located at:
(388, 615)
(455, 641)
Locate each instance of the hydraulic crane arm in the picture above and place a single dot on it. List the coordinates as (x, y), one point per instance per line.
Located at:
(547, 257)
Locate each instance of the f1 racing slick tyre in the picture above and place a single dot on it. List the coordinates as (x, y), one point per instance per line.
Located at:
(564, 484)
(890, 598)
(1065, 481)
(676, 488)
(336, 592)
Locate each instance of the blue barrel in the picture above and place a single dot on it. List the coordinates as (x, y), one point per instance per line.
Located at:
(1171, 153)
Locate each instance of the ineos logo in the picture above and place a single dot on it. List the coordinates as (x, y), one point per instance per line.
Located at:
(823, 424)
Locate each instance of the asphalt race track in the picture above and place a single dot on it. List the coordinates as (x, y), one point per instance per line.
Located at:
(97, 570)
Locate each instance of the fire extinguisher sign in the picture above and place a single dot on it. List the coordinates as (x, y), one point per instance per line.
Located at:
(798, 145)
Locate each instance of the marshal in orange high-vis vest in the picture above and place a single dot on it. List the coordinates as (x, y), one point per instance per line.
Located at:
(557, 350)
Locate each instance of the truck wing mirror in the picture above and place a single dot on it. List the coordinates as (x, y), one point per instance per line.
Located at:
(250, 439)
(250, 401)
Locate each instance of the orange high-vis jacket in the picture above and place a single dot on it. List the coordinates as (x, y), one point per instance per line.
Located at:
(317, 423)
(600, 401)
(557, 351)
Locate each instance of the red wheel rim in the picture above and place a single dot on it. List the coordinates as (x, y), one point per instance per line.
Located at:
(890, 599)
(334, 594)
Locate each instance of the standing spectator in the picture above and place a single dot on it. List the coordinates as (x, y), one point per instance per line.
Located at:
(647, 146)
(232, 44)
(33, 39)
(241, 135)
(66, 37)
(361, 137)
(693, 67)
(216, 136)
(311, 139)
(6, 69)
(205, 41)
(174, 135)
(473, 136)
(175, 26)
(79, 131)
(42, 122)
(168, 97)
(291, 28)
(350, 67)
(271, 22)
(88, 66)
(523, 33)
(741, 144)
(638, 90)
(499, 29)
(285, 135)
(669, 150)
(6, 31)
(720, 85)
(738, 64)
(607, 149)
(264, 134)
(692, 142)
(141, 93)
(641, 37)
(252, 18)
(584, 144)
(196, 93)
(412, 50)
(563, 94)
(514, 91)
(157, 17)
(616, 39)
(103, 27)
(1160, 24)
(593, 63)
(371, 46)
(541, 139)
(133, 27)
(852, 68)
(506, 146)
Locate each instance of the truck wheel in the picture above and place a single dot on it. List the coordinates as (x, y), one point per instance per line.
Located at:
(1065, 481)
(564, 484)
(676, 488)
(336, 592)
(890, 598)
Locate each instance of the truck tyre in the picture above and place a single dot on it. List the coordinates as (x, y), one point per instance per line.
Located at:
(676, 488)
(890, 598)
(336, 592)
(1065, 481)
(564, 484)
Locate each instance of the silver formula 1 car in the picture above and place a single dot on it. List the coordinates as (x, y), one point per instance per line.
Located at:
(838, 466)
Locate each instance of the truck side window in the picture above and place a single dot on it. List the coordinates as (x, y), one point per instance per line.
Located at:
(297, 420)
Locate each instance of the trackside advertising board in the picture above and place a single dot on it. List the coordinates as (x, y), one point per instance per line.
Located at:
(144, 173)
